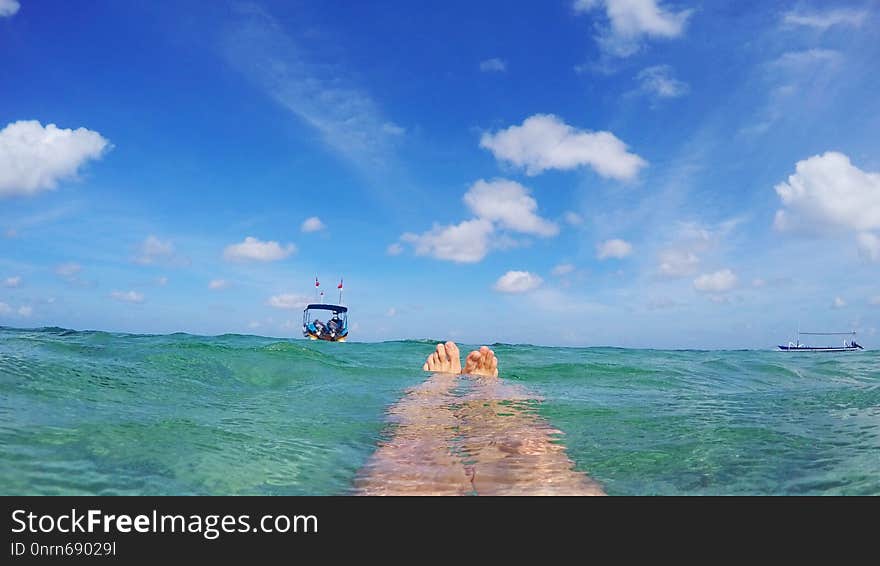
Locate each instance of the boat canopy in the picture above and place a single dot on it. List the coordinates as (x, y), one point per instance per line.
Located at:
(321, 306)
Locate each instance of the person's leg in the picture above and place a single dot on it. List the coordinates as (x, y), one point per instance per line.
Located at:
(418, 459)
(508, 447)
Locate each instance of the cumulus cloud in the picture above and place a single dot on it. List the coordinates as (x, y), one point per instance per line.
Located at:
(312, 224)
(613, 248)
(466, 242)
(828, 192)
(34, 158)
(12, 282)
(128, 296)
(517, 282)
(288, 301)
(544, 141)
(394, 249)
(252, 249)
(631, 20)
(563, 269)
(869, 246)
(717, 282)
(658, 81)
(217, 284)
(510, 205)
(8, 8)
(494, 65)
(823, 20)
(838, 303)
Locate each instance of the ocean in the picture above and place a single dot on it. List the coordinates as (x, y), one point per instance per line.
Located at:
(122, 414)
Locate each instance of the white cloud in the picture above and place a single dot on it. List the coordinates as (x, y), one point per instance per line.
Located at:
(869, 246)
(630, 20)
(563, 269)
(828, 192)
(217, 284)
(253, 249)
(838, 303)
(12, 281)
(759, 283)
(68, 270)
(254, 324)
(25, 311)
(543, 142)
(323, 96)
(288, 301)
(875, 300)
(466, 242)
(717, 282)
(34, 158)
(681, 257)
(677, 262)
(128, 296)
(613, 248)
(394, 249)
(5, 309)
(573, 218)
(312, 224)
(803, 60)
(824, 20)
(509, 204)
(153, 250)
(161, 281)
(658, 81)
(8, 8)
(494, 65)
(391, 312)
(517, 282)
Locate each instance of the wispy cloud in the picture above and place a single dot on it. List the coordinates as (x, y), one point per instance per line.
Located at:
(823, 20)
(347, 118)
(658, 81)
(8, 8)
(494, 65)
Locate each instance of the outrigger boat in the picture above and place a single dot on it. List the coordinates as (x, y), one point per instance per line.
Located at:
(335, 326)
(848, 345)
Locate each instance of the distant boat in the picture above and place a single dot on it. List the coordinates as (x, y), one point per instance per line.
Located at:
(848, 345)
(334, 327)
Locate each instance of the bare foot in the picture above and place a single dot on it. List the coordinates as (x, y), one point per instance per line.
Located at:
(481, 362)
(445, 360)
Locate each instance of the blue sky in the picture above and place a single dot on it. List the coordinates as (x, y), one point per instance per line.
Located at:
(598, 172)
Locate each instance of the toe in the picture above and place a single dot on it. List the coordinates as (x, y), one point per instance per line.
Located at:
(441, 353)
(454, 356)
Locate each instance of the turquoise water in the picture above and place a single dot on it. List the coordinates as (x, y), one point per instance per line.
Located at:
(103, 413)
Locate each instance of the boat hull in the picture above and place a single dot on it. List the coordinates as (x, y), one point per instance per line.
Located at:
(812, 349)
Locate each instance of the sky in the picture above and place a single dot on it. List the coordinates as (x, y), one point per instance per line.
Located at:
(633, 173)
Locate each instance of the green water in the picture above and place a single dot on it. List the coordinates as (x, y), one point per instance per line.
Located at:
(102, 413)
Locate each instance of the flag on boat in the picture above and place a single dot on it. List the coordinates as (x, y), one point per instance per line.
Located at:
(316, 281)
(340, 284)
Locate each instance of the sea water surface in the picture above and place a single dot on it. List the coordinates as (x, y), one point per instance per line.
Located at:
(107, 413)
